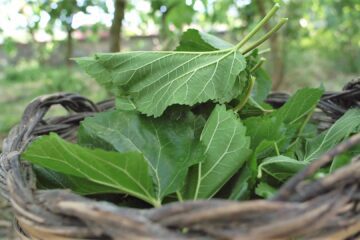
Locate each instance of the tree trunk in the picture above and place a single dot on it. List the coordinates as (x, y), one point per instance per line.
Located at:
(116, 26)
(276, 53)
(69, 46)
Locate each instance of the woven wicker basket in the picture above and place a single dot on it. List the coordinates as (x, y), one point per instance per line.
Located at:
(323, 209)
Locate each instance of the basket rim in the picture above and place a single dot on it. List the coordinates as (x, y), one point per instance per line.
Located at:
(61, 213)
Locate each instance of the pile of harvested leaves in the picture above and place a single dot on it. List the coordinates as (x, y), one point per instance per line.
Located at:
(190, 124)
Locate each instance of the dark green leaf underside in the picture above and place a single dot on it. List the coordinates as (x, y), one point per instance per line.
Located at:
(127, 172)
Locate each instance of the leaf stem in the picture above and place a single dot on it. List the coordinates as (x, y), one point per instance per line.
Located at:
(258, 65)
(198, 180)
(179, 196)
(266, 50)
(266, 36)
(247, 95)
(252, 101)
(156, 203)
(258, 26)
(276, 149)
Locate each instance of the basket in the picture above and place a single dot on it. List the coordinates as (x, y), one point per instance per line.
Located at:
(326, 208)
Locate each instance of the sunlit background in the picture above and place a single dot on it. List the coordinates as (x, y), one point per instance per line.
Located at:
(319, 45)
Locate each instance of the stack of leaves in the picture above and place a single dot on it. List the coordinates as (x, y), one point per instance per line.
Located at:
(189, 124)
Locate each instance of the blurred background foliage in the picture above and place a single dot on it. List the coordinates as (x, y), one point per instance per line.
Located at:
(319, 45)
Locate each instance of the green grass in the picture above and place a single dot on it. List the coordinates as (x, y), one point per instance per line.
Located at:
(21, 84)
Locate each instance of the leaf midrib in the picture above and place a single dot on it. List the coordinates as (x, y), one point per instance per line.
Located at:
(233, 49)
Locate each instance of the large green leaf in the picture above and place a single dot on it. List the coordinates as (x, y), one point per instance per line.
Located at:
(227, 148)
(127, 172)
(156, 80)
(342, 128)
(194, 40)
(168, 143)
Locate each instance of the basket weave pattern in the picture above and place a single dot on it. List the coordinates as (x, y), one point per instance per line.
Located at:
(323, 209)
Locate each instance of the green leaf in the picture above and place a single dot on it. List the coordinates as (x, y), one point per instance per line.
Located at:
(302, 103)
(227, 149)
(194, 40)
(344, 158)
(253, 108)
(264, 128)
(271, 134)
(124, 104)
(266, 148)
(178, 20)
(127, 172)
(262, 86)
(264, 190)
(97, 71)
(280, 167)
(168, 144)
(247, 179)
(156, 80)
(340, 161)
(242, 188)
(284, 123)
(48, 179)
(341, 129)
